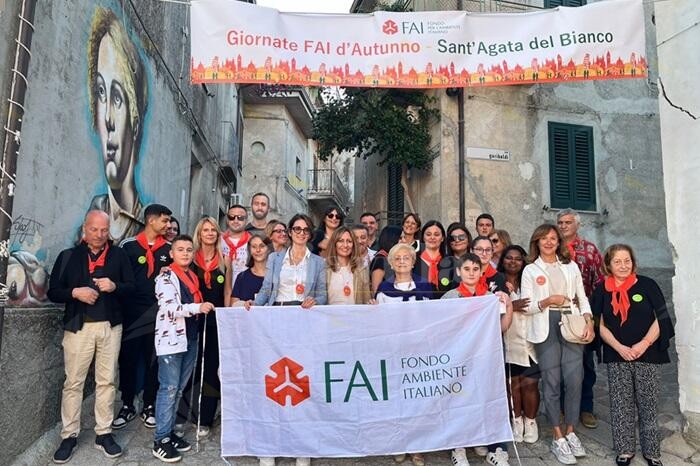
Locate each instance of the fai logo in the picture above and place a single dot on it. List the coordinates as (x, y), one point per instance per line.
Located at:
(287, 383)
(390, 27)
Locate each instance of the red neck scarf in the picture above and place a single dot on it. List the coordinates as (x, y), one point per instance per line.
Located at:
(620, 298)
(190, 280)
(482, 287)
(432, 266)
(208, 269)
(99, 262)
(233, 249)
(464, 291)
(150, 259)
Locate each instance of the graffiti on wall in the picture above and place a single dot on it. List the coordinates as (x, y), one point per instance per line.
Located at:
(27, 280)
(118, 95)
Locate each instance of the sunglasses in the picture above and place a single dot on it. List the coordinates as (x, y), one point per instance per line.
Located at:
(301, 230)
(458, 237)
(332, 215)
(237, 217)
(494, 240)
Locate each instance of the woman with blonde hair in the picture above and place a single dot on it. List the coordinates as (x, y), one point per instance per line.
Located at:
(276, 236)
(346, 277)
(500, 239)
(553, 283)
(211, 268)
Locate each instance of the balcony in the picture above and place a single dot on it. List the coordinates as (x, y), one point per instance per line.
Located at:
(325, 189)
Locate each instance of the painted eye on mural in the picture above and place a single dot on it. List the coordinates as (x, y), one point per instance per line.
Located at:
(117, 99)
(101, 91)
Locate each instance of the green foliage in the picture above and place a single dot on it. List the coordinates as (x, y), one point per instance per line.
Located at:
(394, 124)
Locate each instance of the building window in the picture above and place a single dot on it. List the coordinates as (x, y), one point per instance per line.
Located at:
(571, 167)
(556, 3)
(297, 168)
(395, 194)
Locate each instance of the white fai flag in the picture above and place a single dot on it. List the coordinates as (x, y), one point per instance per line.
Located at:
(353, 381)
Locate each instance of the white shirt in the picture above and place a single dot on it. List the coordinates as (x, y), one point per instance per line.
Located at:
(291, 276)
(518, 350)
(238, 262)
(336, 286)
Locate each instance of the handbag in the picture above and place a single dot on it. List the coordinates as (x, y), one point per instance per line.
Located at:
(572, 325)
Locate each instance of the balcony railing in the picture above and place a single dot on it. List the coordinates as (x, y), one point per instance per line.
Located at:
(325, 185)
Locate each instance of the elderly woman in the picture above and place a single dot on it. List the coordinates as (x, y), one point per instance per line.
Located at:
(635, 328)
(404, 286)
(379, 268)
(552, 282)
(346, 276)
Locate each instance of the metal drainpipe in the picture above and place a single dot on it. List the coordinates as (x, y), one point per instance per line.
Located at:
(12, 141)
(460, 149)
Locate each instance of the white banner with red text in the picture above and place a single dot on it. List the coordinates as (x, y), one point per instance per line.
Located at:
(237, 42)
(365, 380)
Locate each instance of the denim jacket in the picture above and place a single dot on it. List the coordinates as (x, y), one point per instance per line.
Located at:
(314, 283)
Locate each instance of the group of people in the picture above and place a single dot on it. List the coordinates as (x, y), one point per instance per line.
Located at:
(147, 307)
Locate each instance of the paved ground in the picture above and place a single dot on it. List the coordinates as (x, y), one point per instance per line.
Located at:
(137, 440)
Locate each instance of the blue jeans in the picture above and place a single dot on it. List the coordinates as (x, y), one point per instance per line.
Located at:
(174, 370)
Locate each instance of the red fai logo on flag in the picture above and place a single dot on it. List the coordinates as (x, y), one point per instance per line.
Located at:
(390, 27)
(286, 382)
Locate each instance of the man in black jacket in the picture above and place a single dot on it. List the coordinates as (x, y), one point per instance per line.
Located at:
(90, 279)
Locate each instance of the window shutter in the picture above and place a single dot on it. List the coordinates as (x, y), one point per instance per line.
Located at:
(583, 170)
(394, 194)
(572, 170)
(556, 3)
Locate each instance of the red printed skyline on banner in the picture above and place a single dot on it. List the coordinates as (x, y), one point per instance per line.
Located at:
(546, 71)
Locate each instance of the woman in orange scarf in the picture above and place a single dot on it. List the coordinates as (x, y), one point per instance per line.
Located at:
(635, 328)
(433, 264)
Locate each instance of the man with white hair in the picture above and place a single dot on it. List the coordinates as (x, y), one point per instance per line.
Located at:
(590, 261)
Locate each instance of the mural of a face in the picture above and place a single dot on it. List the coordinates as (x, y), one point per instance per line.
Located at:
(112, 117)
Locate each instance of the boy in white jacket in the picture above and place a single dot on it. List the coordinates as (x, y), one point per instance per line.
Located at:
(179, 301)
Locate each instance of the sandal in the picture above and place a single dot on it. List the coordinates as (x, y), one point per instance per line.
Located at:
(624, 460)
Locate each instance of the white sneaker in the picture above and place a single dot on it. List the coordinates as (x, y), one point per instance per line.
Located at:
(531, 432)
(498, 458)
(203, 432)
(517, 427)
(267, 461)
(560, 448)
(481, 451)
(400, 458)
(303, 462)
(459, 457)
(575, 444)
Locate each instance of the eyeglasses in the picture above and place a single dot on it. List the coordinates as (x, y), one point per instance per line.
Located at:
(458, 237)
(237, 217)
(280, 230)
(403, 259)
(494, 240)
(483, 250)
(301, 230)
(332, 215)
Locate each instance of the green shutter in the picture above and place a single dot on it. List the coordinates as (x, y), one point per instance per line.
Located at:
(572, 170)
(395, 194)
(556, 3)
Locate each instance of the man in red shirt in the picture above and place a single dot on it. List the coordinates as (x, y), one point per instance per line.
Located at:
(589, 260)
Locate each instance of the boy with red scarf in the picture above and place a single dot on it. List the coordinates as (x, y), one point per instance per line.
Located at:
(148, 252)
(474, 283)
(179, 300)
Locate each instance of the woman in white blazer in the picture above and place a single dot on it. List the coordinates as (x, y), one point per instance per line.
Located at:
(552, 282)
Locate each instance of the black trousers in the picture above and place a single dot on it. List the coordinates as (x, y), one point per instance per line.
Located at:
(138, 365)
(211, 388)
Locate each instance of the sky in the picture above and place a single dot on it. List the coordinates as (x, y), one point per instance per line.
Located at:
(308, 6)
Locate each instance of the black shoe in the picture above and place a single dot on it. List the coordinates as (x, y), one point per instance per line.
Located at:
(165, 451)
(179, 442)
(148, 416)
(109, 447)
(126, 415)
(623, 460)
(651, 462)
(65, 450)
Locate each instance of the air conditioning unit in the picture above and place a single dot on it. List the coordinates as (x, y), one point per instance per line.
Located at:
(236, 198)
